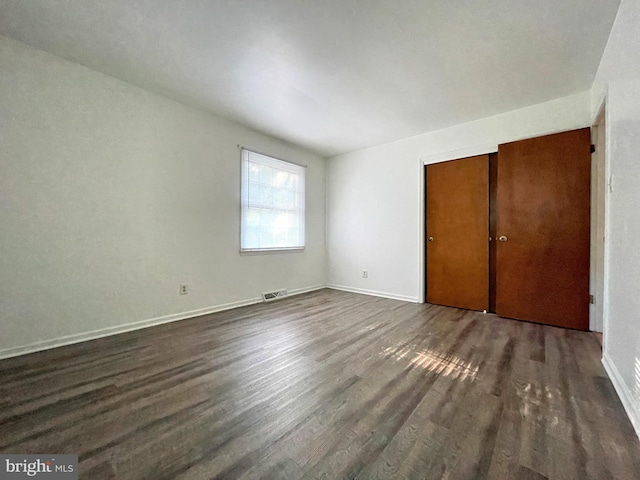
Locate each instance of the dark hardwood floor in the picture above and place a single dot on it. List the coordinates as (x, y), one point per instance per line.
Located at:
(325, 385)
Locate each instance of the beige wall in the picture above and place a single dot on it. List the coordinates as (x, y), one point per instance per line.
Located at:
(111, 196)
(374, 195)
(618, 82)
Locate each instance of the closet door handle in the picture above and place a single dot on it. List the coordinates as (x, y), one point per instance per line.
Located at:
(431, 239)
(503, 238)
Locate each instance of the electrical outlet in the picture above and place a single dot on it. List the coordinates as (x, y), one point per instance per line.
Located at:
(365, 274)
(184, 289)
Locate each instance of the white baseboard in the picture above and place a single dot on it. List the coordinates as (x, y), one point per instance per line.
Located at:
(298, 291)
(128, 327)
(393, 296)
(626, 397)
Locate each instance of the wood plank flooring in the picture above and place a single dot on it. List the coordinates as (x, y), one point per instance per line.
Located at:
(325, 385)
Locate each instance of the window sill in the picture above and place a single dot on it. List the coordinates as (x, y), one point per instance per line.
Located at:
(271, 251)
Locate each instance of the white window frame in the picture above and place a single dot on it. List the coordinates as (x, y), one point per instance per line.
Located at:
(294, 238)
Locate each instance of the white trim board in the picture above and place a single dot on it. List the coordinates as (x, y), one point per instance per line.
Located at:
(128, 327)
(422, 219)
(374, 293)
(633, 412)
(460, 153)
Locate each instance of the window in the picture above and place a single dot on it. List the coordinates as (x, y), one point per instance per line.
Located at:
(272, 198)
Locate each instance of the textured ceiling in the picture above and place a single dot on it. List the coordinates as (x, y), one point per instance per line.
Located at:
(331, 75)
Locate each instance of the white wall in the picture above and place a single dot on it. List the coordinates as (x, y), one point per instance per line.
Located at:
(618, 79)
(110, 196)
(375, 195)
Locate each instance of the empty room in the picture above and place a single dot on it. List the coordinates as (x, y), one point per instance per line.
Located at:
(337, 239)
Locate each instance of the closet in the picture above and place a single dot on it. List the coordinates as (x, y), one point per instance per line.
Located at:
(509, 233)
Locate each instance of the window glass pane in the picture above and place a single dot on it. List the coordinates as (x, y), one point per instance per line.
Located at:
(266, 175)
(272, 203)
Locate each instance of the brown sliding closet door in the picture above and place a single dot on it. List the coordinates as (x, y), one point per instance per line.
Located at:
(458, 233)
(542, 253)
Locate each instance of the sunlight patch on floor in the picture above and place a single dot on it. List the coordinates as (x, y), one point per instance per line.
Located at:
(536, 404)
(434, 361)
